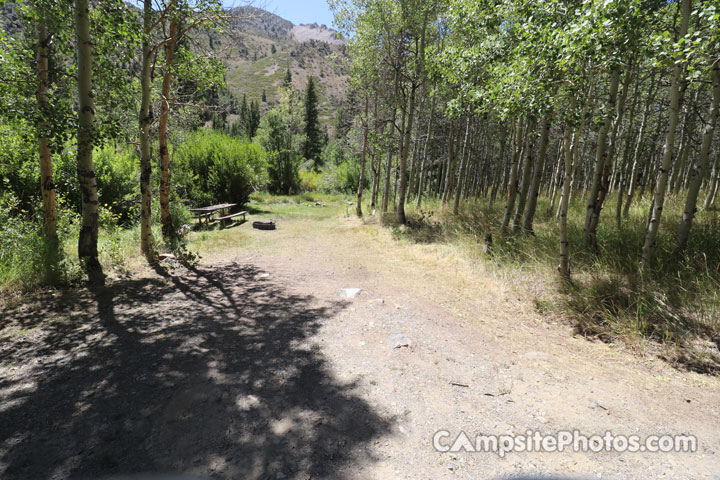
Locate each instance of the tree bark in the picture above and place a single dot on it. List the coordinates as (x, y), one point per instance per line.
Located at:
(88, 238)
(699, 171)
(527, 153)
(450, 168)
(499, 172)
(425, 153)
(622, 172)
(676, 88)
(358, 207)
(415, 83)
(598, 188)
(712, 193)
(633, 177)
(165, 218)
(376, 167)
(537, 175)
(556, 178)
(463, 167)
(47, 183)
(676, 177)
(512, 180)
(145, 118)
(564, 267)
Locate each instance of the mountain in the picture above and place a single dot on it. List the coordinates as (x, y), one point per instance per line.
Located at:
(258, 47)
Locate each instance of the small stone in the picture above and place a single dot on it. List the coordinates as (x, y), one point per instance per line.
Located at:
(451, 466)
(398, 340)
(349, 292)
(264, 275)
(377, 301)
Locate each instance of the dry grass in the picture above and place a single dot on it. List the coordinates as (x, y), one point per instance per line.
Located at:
(669, 308)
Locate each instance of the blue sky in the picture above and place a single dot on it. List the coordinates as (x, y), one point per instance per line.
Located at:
(297, 11)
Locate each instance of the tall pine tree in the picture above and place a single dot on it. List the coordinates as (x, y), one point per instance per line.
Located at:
(288, 77)
(313, 136)
(253, 119)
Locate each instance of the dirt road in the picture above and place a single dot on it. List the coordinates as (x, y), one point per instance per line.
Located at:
(252, 366)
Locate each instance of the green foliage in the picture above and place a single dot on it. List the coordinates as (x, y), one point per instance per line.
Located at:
(313, 135)
(309, 180)
(248, 120)
(117, 178)
(212, 167)
(18, 175)
(341, 178)
(281, 137)
(288, 78)
(27, 260)
(116, 171)
(22, 244)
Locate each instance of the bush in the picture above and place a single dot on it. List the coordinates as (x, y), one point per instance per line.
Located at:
(116, 172)
(19, 167)
(26, 259)
(275, 135)
(117, 178)
(309, 180)
(342, 178)
(212, 167)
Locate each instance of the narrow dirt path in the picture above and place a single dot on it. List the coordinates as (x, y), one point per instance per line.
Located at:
(252, 366)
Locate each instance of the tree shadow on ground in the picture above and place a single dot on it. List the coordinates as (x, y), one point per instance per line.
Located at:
(211, 372)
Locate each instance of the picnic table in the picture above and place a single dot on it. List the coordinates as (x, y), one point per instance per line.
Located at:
(207, 213)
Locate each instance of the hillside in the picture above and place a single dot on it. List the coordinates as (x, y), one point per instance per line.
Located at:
(253, 65)
(259, 46)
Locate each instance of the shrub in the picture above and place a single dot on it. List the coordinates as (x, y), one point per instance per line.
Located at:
(18, 167)
(275, 135)
(117, 178)
(342, 178)
(26, 259)
(309, 180)
(212, 167)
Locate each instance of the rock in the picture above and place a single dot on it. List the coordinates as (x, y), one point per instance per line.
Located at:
(349, 292)
(451, 466)
(264, 275)
(533, 355)
(184, 230)
(398, 340)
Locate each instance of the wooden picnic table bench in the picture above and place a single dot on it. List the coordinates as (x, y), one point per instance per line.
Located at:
(232, 215)
(208, 212)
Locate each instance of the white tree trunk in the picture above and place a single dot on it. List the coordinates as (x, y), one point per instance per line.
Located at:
(87, 240)
(648, 249)
(698, 173)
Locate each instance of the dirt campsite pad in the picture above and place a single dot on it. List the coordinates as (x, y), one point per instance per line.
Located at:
(250, 365)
